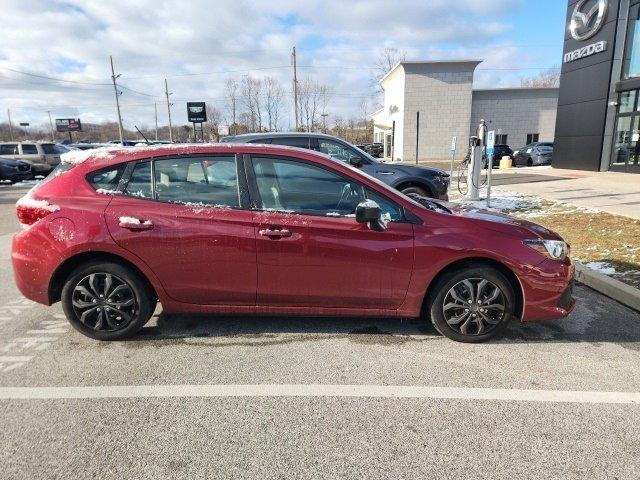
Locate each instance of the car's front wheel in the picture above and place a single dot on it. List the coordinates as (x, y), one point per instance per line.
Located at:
(472, 305)
(107, 301)
(416, 191)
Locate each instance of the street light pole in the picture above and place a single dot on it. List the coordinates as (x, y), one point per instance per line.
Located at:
(155, 107)
(115, 89)
(53, 137)
(10, 125)
(295, 85)
(166, 91)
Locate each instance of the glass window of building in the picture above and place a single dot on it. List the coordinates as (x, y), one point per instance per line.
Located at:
(632, 53)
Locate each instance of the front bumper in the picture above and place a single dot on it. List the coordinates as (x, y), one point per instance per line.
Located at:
(548, 291)
(14, 175)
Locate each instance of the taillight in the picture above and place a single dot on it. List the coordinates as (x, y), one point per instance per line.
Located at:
(30, 210)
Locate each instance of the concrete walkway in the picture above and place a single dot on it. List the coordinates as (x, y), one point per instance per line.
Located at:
(612, 192)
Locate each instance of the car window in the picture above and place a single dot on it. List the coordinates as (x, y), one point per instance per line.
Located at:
(544, 149)
(48, 148)
(59, 149)
(336, 150)
(298, 187)
(29, 149)
(139, 184)
(106, 179)
(9, 149)
(300, 142)
(209, 182)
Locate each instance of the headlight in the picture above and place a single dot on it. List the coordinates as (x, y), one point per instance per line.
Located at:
(554, 249)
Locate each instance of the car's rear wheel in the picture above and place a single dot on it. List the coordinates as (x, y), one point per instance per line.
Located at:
(472, 305)
(107, 301)
(416, 191)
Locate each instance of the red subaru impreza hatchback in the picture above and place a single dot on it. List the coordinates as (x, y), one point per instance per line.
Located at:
(252, 229)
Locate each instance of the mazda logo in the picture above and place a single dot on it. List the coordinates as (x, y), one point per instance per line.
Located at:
(585, 25)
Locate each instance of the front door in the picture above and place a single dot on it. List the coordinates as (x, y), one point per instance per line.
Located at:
(184, 218)
(312, 253)
(625, 156)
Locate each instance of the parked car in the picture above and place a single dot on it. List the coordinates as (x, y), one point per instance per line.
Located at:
(375, 150)
(255, 229)
(85, 146)
(424, 181)
(535, 154)
(42, 156)
(500, 151)
(14, 170)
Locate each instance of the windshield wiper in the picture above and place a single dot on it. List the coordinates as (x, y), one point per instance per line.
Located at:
(428, 203)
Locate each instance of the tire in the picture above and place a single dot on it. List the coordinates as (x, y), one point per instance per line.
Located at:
(468, 330)
(529, 163)
(417, 191)
(129, 308)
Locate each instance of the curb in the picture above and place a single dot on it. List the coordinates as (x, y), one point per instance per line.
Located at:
(621, 292)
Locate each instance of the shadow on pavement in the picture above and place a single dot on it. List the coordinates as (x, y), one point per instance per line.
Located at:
(596, 319)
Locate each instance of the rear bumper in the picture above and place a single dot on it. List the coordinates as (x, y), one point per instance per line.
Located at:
(33, 260)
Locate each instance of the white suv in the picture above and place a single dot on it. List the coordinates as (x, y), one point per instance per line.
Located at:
(43, 156)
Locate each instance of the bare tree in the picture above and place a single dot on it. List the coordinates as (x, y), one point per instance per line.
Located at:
(388, 58)
(214, 118)
(273, 95)
(231, 92)
(251, 97)
(312, 98)
(547, 79)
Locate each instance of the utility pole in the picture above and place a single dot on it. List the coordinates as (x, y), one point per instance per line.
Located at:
(155, 108)
(53, 137)
(10, 125)
(324, 121)
(295, 85)
(115, 89)
(166, 91)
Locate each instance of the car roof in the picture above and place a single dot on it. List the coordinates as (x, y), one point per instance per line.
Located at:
(103, 157)
(246, 137)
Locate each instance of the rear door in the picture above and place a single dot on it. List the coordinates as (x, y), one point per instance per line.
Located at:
(51, 153)
(311, 252)
(186, 218)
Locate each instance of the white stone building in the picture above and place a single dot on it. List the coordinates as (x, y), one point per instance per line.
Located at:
(440, 96)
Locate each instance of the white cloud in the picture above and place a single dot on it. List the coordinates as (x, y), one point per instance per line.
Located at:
(150, 39)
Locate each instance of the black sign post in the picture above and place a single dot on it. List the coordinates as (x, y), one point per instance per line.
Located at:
(68, 125)
(197, 113)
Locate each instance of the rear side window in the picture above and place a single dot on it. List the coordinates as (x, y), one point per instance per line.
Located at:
(139, 184)
(49, 148)
(299, 142)
(29, 149)
(208, 181)
(9, 149)
(106, 179)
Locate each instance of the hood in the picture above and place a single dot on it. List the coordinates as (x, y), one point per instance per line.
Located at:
(499, 222)
(11, 163)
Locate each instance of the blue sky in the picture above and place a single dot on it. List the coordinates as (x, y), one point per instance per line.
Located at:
(198, 45)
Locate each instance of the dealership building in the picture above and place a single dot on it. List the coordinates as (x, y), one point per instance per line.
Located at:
(428, 103)
(598, 124)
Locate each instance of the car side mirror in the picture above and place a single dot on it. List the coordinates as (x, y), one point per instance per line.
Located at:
(370, 212)
(356, 162)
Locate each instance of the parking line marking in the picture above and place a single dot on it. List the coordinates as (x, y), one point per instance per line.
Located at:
(348, 391)
(15, 358)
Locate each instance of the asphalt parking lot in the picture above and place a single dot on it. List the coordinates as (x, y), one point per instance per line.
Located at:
(205, 397)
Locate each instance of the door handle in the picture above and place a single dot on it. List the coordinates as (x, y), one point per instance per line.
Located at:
(136, 224)
(273, 233)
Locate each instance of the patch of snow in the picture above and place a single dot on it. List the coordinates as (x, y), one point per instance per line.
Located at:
(30, 202)
(601, 267)
(76, 157)
(104, 191)
(134, 221)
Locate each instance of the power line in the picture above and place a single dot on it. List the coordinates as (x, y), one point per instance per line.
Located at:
(46, 77)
